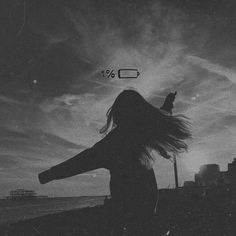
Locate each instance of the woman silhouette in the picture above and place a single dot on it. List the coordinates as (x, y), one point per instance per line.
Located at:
(134, 128)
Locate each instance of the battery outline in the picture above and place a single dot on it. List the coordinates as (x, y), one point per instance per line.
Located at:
(128, 77)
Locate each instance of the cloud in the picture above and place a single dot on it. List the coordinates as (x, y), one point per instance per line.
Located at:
(33, 149)
(11, 100)
(161, 55)
(67, 45)
(212, 67)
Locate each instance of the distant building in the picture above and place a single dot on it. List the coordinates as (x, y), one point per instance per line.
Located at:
(24, 194)
(224, 178)
(232, 171)
(189, 184)
(208, 176)
(232, 174)
(211, 179)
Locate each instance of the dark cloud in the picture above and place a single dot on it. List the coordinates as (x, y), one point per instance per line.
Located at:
(45, 49)
(58, 71)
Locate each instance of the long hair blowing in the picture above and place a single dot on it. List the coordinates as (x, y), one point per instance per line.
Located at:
(152, 128)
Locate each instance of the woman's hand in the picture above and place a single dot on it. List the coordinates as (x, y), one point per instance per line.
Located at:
(168, 104)
(45, 177)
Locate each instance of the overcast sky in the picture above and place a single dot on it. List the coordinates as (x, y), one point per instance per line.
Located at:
(53, 98)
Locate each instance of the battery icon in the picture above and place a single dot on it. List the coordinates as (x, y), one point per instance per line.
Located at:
(128, 73)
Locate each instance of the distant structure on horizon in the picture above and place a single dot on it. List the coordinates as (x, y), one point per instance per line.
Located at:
(210, 179)
(24, 194)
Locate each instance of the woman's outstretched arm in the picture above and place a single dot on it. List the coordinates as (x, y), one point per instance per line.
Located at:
(87, 160)
(78, 164)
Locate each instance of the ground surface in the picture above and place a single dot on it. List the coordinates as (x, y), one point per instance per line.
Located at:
(176, 215)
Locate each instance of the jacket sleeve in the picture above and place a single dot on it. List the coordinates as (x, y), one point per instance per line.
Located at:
(87, 160)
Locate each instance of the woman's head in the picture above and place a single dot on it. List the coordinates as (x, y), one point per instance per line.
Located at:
(128, 108)
(152, 127)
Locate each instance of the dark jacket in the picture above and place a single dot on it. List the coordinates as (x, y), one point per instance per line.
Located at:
(132, 185)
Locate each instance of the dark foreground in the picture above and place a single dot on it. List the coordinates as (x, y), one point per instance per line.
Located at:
(176, 216)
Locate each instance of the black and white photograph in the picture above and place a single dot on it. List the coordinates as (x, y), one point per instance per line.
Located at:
(117, 118)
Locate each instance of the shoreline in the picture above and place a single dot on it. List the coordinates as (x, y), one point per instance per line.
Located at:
(13, 211)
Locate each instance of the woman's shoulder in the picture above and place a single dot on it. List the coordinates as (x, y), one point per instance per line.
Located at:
(116, 136)
(110, 141)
